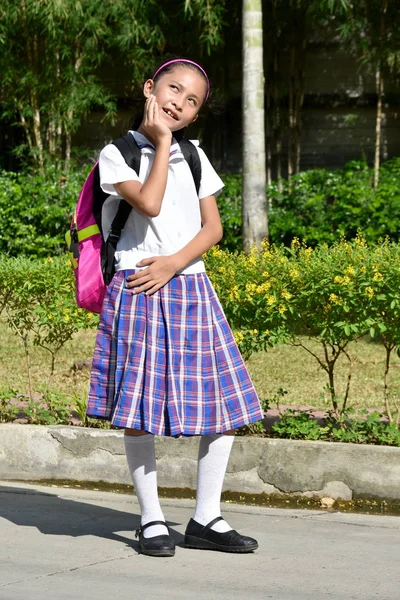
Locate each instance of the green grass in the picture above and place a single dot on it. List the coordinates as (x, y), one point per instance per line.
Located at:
(66, 380)
(284, 367)
(297, 372)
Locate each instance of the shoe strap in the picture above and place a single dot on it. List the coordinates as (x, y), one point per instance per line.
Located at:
(151, 523)
(210, 524)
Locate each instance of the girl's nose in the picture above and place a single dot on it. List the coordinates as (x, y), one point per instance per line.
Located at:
(177, 104)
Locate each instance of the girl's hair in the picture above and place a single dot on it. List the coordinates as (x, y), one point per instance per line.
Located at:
(170, 65)
(167, 67)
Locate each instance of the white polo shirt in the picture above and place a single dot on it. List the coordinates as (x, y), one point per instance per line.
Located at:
(179, 220)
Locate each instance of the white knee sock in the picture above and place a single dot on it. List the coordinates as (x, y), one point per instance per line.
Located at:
(141, 457)
(214, 451)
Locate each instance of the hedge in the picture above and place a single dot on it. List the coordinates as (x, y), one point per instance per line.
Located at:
(317, 206)
(332, 295)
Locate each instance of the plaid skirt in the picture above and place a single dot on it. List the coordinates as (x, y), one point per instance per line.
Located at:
(168, 363)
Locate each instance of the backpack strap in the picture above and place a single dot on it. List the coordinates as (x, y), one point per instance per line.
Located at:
(132, 156)
(191, 155)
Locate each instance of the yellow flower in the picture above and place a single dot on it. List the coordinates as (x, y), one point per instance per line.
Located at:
(251, 288)
(363, 269)
(234, 293)
(378, 276)
(67, 318)
(271, 300)
(369, 291)
(239, 337)
(265, 244)
(293, 273)
(343, 280)
(282, 309)
(295, 243)
(350, 271)
(286, 295)
(264, 287)
(360, 241)
(308, 252)
(253, 331)
(335, 299)
(49, 259)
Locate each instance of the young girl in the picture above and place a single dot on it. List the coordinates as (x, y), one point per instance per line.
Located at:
(165, 361)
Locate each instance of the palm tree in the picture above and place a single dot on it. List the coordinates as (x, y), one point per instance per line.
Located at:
(255, 218)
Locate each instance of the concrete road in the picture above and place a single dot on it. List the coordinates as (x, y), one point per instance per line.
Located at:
(66, 544)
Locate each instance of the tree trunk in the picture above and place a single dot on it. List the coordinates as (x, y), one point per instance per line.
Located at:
(268, 138)
(37, 125)
(255, 219)
(291, 115)
(379, 91)
(378, 128)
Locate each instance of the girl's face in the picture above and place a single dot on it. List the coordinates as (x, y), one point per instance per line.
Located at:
(180, 94)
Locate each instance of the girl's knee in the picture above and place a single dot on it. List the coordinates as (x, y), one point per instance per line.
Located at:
(135, 432)
(230, 432)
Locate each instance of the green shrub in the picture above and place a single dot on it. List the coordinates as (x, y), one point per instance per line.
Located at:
(35, 211)
(360, 428)
(37, 301)
(230, 208)
(331, 295)
(321, 206)
(316, 206)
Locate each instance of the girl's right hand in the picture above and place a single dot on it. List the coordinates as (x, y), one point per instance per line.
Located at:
(154, 128)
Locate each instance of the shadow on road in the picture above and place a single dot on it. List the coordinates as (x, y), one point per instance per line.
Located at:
(53, 515)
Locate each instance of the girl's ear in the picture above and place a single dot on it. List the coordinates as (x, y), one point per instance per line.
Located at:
(148, 88)
(195, 118)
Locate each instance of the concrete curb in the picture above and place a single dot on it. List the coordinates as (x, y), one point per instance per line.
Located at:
(257, 465)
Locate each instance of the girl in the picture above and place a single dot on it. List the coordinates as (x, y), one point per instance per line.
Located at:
(165, 360)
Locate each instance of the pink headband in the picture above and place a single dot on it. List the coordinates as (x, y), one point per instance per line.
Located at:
(191, 62)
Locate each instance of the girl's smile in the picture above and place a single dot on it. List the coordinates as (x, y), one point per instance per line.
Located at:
(170, 114)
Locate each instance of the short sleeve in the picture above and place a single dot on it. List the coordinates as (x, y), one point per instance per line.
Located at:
(113, 169)
(211, 184)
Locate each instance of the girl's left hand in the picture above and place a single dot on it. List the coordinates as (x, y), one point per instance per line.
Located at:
(160, 269)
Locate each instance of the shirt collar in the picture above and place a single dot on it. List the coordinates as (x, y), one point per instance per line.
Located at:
(147, 147)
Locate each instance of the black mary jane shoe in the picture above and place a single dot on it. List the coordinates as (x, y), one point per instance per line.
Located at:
(205, 538)
(159, 545)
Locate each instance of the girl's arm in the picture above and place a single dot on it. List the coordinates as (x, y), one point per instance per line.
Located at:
(147, 197)
(160, 269)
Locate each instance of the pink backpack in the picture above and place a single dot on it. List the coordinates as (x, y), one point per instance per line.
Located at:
(92, 249)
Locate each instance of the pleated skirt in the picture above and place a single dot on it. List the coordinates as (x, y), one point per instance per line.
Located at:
(168, 363)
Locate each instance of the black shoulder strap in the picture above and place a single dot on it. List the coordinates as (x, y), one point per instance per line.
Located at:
(130, 151)
(132, 156)
(192, 157)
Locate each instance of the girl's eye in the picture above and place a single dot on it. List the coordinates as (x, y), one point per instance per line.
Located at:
(193, 101)
(174, 87)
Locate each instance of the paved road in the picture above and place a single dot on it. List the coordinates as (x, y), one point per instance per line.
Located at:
(65, 544)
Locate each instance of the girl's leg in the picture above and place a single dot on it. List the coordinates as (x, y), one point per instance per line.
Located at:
(141, 457)
(202, 531)
(214, 451)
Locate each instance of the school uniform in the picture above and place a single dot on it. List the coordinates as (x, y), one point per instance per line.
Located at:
(166, 363)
